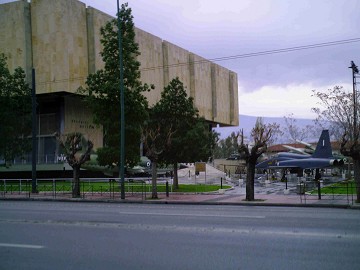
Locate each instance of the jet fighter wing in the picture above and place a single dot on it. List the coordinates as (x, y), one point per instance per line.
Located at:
(294, 149)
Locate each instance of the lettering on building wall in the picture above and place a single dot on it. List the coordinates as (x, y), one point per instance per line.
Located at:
(83, 124)
(61, 157)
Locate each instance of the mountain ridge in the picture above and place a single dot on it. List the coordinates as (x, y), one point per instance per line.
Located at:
(247, 122)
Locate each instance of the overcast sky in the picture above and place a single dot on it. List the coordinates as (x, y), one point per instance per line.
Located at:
(275, 84)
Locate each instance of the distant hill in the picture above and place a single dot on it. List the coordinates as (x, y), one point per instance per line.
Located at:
(248, 122)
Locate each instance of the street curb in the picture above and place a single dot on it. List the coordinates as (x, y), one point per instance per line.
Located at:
(264, 204)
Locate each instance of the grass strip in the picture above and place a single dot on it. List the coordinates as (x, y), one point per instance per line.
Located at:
(340, 188)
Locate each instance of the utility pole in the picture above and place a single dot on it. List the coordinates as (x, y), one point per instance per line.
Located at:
(122, 112)
(355, 71)
(33, 133)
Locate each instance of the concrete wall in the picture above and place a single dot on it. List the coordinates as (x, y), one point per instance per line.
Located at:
(201, 79)
(222, 94)
(95, 20)
(152, 60)
(176, 64)
(59, 44)
(66, 47)
(230, 166)
(15, 35)
(77, 118)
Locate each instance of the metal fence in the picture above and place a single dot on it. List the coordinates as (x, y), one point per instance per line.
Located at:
(340, 193)
(40, 159)
(101, 188)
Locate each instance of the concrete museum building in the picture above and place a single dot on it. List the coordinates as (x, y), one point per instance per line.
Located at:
(61, 40)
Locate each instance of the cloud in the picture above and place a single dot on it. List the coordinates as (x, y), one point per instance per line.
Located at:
(279, 101)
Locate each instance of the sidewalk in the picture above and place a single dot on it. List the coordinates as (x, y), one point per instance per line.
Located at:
(230, 197)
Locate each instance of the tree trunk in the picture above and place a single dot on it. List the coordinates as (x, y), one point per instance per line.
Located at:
(250, 175)
(76, 180)
(153, 180)
(176, 179)
(357, 178)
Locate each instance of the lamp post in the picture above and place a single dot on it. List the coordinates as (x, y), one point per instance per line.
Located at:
(122, 111)
(355, 70)
(33, 132)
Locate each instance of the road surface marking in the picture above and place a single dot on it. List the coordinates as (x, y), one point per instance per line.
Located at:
(20, 246)
(190, 215)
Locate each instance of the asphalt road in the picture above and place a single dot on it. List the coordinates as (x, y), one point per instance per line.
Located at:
(58, 235)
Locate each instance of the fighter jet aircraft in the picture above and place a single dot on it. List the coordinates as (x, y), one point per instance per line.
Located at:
(321, 158)
(141, 169)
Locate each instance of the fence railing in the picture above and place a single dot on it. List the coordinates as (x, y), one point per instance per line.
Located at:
(342, 192)
(96, 188)
(40, 159)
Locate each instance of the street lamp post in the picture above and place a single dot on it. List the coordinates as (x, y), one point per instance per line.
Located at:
(355, 70)
(122, 111)
(33, 132)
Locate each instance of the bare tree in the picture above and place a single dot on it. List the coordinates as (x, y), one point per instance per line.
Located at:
(73, 145)
(261, 135)
(155, 140)
(341, 113)
(294, 131)
(337, 113)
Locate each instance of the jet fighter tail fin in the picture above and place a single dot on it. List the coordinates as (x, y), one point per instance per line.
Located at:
(323, 148)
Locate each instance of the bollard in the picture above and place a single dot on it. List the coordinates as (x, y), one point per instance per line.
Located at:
(221, 183)
(167, 188)
(319, 189)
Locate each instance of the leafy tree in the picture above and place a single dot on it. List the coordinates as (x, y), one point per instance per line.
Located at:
(15, 112)
(175, 132)
(195, 143)
(73, 144)
(226, 147)
(103, 95)
(191, 139)
(342, 116)
(262, 136)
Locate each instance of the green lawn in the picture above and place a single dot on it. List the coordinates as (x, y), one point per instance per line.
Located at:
(341, 188)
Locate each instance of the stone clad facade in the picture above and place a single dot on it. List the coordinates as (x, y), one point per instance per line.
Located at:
(61, 40)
